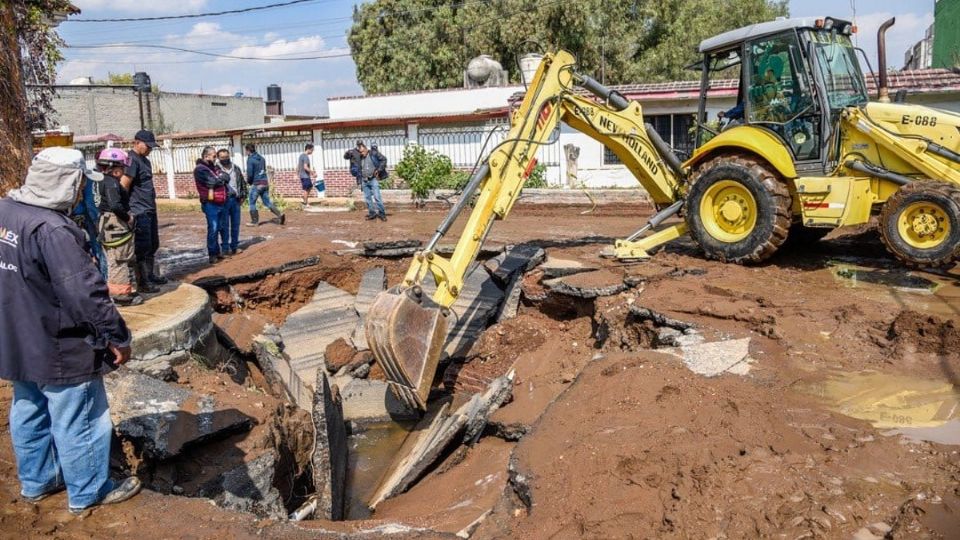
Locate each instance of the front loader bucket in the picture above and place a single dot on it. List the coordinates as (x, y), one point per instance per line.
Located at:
(406, 333)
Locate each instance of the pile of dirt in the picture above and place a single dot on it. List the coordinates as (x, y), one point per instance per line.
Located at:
(650, 448)
(911, 331)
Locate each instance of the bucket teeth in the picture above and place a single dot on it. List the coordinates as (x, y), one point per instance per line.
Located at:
(406, 335)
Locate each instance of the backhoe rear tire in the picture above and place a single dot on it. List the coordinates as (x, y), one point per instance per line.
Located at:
(738, 209)
(920, 224)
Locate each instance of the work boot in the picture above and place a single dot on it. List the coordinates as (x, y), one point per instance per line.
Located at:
(383, 217)
(154, 277)
(254, 218)
(132, 299)
(123, 492)
(143, 279)
(283, 219)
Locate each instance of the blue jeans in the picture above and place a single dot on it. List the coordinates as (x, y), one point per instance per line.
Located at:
(216, 218)
(230, 228)
(261, 192)
(61, 435)
(371, 194)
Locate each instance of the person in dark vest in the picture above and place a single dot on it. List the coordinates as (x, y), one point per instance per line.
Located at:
(138, 181)
(259, 186)
(59, 335)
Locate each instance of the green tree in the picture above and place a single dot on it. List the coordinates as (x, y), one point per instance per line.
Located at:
(402, 45)
(117, 79)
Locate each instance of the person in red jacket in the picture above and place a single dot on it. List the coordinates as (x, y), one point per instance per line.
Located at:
(211, 184)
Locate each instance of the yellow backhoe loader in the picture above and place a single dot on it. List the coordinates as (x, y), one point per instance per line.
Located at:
(803, 152)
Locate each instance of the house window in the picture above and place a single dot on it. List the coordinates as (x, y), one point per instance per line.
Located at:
(668, 126)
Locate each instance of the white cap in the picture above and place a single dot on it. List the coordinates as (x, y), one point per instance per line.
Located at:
(68, 158)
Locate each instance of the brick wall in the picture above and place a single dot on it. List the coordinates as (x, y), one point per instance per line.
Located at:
(338, 183)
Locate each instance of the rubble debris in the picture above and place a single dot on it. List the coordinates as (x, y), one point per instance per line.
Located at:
(163, 418)
(553, 267)
(472, 312)
(167, 327)
(716, 357)
(306, 510)
(307, 332)
(237, 330)
(329, 457)
(396, 248)
(468, 531)
(338, 354)
(442, 428)
(512, 431)
(248, 488)
(373, 282)
(279, 374)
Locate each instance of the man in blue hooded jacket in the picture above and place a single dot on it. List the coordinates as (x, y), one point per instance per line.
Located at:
(59, 335)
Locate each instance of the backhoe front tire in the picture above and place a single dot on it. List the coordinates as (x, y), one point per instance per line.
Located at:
(738, 209)
(920, 224)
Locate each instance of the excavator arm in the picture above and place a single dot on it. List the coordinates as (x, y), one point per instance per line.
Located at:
(405, 328)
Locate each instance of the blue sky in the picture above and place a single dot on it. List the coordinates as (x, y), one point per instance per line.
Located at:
(318, 28)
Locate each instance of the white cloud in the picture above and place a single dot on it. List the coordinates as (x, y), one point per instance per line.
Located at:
(908, 30)
(182, 6)
(313, 45)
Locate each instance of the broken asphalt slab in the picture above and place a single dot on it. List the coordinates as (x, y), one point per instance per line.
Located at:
(587, 285)
(163, 418)
(248, 488)
(553, 267)
(166, 327)
(472, 311)
(436, 433)
(373, 282)
(210, 283)
(397, 248)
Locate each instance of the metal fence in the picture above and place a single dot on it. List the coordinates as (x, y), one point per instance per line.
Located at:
(390, 143)
(465, 144)
(280, 152)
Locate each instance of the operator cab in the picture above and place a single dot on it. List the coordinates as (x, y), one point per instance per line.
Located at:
(794, 76)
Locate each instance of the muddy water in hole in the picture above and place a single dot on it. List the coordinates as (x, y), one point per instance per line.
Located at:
(370, 452)
(924, 409)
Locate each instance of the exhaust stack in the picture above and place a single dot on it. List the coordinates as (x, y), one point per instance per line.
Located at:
(883, 94)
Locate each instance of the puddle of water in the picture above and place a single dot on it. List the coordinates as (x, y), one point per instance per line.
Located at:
(926, 409)
(926, 293)
(370, 453)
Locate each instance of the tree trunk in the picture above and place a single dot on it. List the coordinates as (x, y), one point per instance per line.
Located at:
(15, 145)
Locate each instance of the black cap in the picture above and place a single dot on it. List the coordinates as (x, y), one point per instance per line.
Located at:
(373, 147)
(360, 142)
(146, 136)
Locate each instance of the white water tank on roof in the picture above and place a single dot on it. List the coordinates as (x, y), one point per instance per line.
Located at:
(528, 66)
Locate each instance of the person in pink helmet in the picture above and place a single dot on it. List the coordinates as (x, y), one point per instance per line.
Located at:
(115, 228)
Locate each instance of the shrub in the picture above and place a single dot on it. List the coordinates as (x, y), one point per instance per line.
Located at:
(538, 177)
(424, 170)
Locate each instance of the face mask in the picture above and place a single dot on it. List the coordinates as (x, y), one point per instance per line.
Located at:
(225, 162)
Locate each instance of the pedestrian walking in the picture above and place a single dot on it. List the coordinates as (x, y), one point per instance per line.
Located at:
(114, 228)
(236, 192)
(211, 184)
(259, 186)
(354, 157)
(138, 181)
(372, 167)
(308, 175)
(59, 334)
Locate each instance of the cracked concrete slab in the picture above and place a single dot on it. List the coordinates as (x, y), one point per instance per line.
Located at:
(716, 357)
(165, 418)
(167, 327)
(307, 332)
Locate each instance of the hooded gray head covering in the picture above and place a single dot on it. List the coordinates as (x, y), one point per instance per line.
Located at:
(54, 179)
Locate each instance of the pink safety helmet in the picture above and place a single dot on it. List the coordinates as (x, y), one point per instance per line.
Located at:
(113, 156)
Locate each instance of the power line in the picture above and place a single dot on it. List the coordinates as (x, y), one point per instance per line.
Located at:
(195, 15)
(234, 57)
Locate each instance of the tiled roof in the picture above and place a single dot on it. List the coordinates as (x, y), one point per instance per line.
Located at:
(919, 81)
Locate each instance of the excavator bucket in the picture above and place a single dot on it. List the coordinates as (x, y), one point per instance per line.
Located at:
(406, 333)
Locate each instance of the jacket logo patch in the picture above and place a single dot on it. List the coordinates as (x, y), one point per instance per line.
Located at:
(8, 237)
